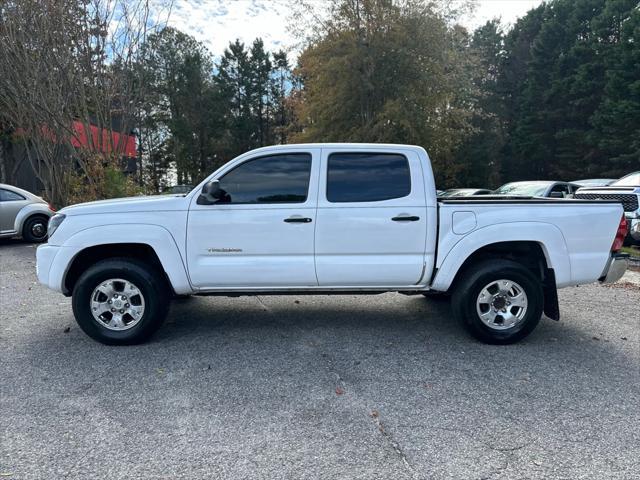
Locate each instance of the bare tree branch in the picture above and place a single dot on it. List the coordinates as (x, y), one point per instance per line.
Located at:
(65, 66)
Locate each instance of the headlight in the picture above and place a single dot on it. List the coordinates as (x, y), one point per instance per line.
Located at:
(54, 223)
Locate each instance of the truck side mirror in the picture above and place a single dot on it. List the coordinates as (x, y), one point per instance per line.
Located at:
(211, 193)
(556, 195)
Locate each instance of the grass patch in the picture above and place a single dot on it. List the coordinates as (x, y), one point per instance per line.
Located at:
(634, 252)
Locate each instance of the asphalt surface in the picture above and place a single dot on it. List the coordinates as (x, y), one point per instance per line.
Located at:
(271, 387)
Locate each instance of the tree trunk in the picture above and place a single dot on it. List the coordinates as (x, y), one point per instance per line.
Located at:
(3, 159)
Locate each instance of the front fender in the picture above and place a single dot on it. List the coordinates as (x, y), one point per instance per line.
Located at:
(547, 235)
(27, 211)
(156, 236)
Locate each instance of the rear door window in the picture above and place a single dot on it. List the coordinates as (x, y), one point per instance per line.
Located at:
(367, 177)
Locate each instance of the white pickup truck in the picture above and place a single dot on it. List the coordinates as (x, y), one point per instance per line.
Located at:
(328, 219)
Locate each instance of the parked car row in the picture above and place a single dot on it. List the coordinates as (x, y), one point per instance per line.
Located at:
(538, 188)
(626, 190)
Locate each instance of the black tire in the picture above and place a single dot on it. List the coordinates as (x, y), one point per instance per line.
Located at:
(34, 229)
(475, 279)
(146, 278)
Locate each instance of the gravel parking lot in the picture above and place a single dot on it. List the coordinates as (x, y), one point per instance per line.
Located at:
(383, 386)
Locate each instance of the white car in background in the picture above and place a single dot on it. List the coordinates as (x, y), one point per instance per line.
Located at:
(538, 188)
(594, 182)
(23, 214)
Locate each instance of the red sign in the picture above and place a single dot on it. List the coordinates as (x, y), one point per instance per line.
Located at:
(125, 144)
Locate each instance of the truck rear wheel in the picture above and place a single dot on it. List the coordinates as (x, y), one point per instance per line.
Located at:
(498, 301)
(120, 301)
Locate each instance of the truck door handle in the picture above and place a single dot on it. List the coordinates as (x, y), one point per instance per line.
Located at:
(298, 220)
(406, 218)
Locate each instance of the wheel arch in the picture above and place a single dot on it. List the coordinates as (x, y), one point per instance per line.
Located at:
(527, 242)
(91, 255)
(527, 253)
(152, 244)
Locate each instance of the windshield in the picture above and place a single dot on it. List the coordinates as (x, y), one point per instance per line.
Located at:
(594, 182)
(529, 189)
(631, 180)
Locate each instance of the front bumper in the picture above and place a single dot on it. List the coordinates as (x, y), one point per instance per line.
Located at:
(616, 266)
(45, 255)
(52, 262)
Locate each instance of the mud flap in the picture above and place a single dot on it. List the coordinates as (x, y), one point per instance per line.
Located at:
(551, 306)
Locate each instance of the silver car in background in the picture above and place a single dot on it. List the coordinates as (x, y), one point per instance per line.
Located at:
(464, 192)
(538, 188)
(23, 214)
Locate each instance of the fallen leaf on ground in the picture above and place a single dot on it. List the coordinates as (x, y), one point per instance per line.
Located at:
(339, 391)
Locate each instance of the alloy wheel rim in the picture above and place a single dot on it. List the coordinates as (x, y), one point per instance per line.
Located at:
(502, 304)
(117, 304)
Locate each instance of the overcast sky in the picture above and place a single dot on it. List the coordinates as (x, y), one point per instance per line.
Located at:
(218, 22)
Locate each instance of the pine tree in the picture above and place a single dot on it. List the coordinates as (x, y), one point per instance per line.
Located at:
(617, 120)
(179, 70)
(481, 153)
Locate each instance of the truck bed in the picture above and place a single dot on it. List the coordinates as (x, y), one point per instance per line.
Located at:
(575, 235)
(479, 199)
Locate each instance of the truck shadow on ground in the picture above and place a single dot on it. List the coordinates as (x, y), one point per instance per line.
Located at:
(348, 319)
(388, 313)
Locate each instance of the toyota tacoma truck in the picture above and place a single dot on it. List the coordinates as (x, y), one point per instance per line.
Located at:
(328, 219)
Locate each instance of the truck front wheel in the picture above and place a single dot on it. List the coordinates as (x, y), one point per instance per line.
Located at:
(120, 301)
(498, 301)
